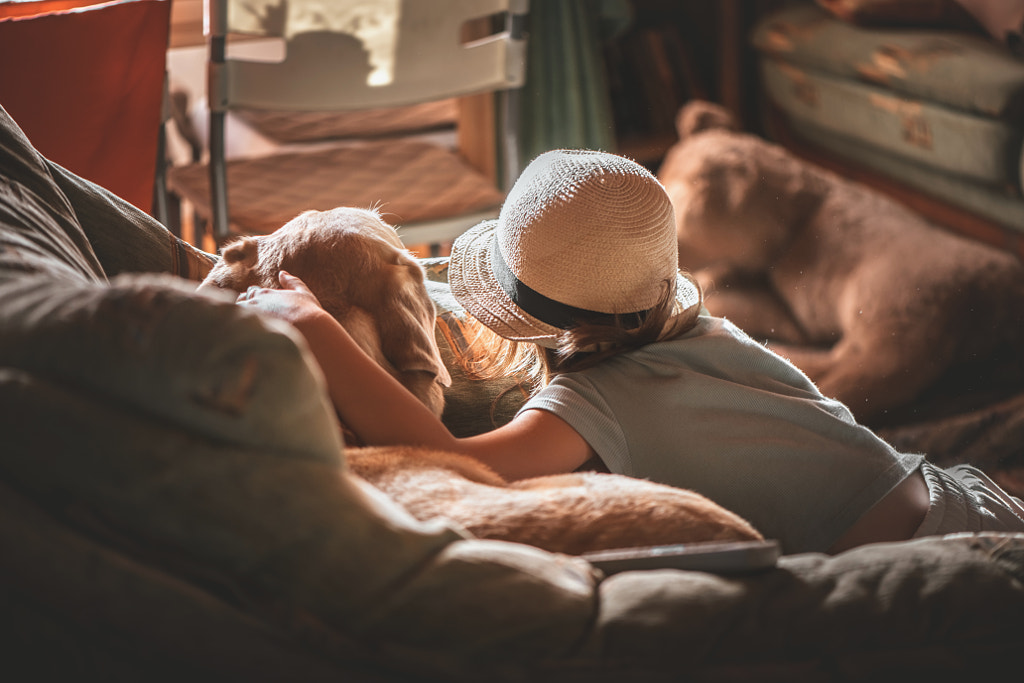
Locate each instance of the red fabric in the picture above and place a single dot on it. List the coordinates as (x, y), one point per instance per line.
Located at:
(86, 86)
(31, 7)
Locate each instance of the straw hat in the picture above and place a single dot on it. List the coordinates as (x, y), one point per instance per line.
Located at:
(581, 235)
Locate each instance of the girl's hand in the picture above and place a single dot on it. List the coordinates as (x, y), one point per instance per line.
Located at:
(293, 303)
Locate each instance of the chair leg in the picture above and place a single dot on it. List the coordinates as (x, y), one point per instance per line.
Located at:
(509, 106)
(178, 116)
(218, 178)
(508, 143)
(161, 210)
(218, 146)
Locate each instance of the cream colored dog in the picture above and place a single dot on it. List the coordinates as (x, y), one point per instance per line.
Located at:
(875, 304)
(356, 266)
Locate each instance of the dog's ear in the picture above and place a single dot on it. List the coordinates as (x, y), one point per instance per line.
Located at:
(699, 115)
(242, 252)
(235, 269)
(406, 321)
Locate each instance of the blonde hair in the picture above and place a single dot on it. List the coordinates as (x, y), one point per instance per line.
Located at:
(483, 354)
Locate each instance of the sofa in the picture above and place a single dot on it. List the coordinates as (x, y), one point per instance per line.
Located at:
(176, 506)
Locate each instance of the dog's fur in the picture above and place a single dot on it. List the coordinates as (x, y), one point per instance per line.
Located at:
(874, 303)
(356, 266)
(567, 513)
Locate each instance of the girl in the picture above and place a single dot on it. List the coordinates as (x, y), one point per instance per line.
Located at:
(581, 267)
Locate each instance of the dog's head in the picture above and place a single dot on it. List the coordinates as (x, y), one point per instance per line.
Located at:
(357, 267)
(738, 199)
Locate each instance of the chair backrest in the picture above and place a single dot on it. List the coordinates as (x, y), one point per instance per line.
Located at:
(87, 87)
(363, 54)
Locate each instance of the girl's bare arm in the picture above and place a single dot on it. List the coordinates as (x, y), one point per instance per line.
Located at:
(375, 406)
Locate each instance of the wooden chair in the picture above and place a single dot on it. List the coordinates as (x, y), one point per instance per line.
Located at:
(334, 62)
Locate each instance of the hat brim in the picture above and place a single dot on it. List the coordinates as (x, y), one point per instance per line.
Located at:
(476, 288)
(474, 285)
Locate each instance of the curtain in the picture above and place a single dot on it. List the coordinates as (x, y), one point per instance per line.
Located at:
(565, 103)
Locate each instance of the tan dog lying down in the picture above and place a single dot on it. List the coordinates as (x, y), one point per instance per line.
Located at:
(871, 301)
(357, 267)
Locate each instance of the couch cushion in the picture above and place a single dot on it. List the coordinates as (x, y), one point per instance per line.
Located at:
(887, 611)
(38, 228)
(126, 240)
(152, 345)
(77, 609)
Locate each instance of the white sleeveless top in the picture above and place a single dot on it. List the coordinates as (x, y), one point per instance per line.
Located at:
(718, 413)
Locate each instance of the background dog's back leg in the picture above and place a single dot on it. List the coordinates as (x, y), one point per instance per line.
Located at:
(872, 379)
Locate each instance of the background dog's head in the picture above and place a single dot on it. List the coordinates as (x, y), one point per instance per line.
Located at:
(363, 276)
(737, 198)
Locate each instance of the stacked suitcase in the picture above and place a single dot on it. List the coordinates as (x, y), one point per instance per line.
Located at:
(941, 111)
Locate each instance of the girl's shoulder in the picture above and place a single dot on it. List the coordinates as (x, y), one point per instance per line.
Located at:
(717, 347)
(709, 325)
(710, 333)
